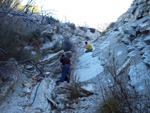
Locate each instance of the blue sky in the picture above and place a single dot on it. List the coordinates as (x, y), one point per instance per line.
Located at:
(91, 12)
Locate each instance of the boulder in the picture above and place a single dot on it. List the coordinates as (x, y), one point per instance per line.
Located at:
(131, 48)
(48, 30)
(29, 67)
(92, 35)
(69, 54)
(145, 49)
(140, 1)
(71, 25)
(51, 57)
(55, 45)
(79, 32)
(147, 40)
(146, 57)
(83, 28)
(92, 30)
(139, 75)
(132, 54)
(124, 66)
(125, 40)
(145, 27)
(140, 45)
(132, 32)
(41, 103)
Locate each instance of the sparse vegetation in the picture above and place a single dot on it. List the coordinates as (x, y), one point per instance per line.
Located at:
(119, 97)
(110, 105)
(51, 20)
(16, 32)
(33, 37)
(16, 8)
(75, 91)
(119, 40)
(71, 25)
(120, 37)
(111, 25)
(12, 43)
(119, 90)
(67, 45)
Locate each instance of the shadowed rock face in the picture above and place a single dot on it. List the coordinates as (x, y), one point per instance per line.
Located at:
(8, 77)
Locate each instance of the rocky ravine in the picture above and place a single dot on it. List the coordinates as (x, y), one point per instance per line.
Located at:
(29, 87)
(128, 40)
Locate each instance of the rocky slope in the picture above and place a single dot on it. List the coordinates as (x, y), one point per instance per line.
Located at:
(120, 60)
(129, 38)
(29, 86)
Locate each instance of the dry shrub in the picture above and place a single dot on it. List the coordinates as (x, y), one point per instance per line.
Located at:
(33, 37)
(75, 91)
(67, 45)
(51, 20)
(13, 38)
(110, 105)
(15, 30)
(119, 89)
(8, 42)
(124, 97)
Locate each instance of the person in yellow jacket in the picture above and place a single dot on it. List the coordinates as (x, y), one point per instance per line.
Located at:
(88, 47)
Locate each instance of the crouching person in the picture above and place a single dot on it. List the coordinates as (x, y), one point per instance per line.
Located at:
(88, 47)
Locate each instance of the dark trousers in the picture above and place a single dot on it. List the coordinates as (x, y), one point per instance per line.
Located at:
(65, 73)
(88, 50)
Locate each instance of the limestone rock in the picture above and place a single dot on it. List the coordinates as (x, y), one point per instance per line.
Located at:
(69, 54)
(48, 30)
(147, 40)
(29, 67)
(126, 41)
(138, 75)
(130, 30)
(146, 57)
(51, 57)
(131, 48)
(26, 84)
(145, 49)
(140, 45)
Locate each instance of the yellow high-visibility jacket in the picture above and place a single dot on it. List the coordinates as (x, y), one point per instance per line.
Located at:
(88, 46)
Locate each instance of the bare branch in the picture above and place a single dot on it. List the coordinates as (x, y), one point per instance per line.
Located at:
(15, 14)
(3, 51)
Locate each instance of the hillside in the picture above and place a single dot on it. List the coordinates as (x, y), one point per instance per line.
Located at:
(112, 78)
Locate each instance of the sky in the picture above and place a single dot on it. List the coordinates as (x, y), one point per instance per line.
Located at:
(87, 12)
